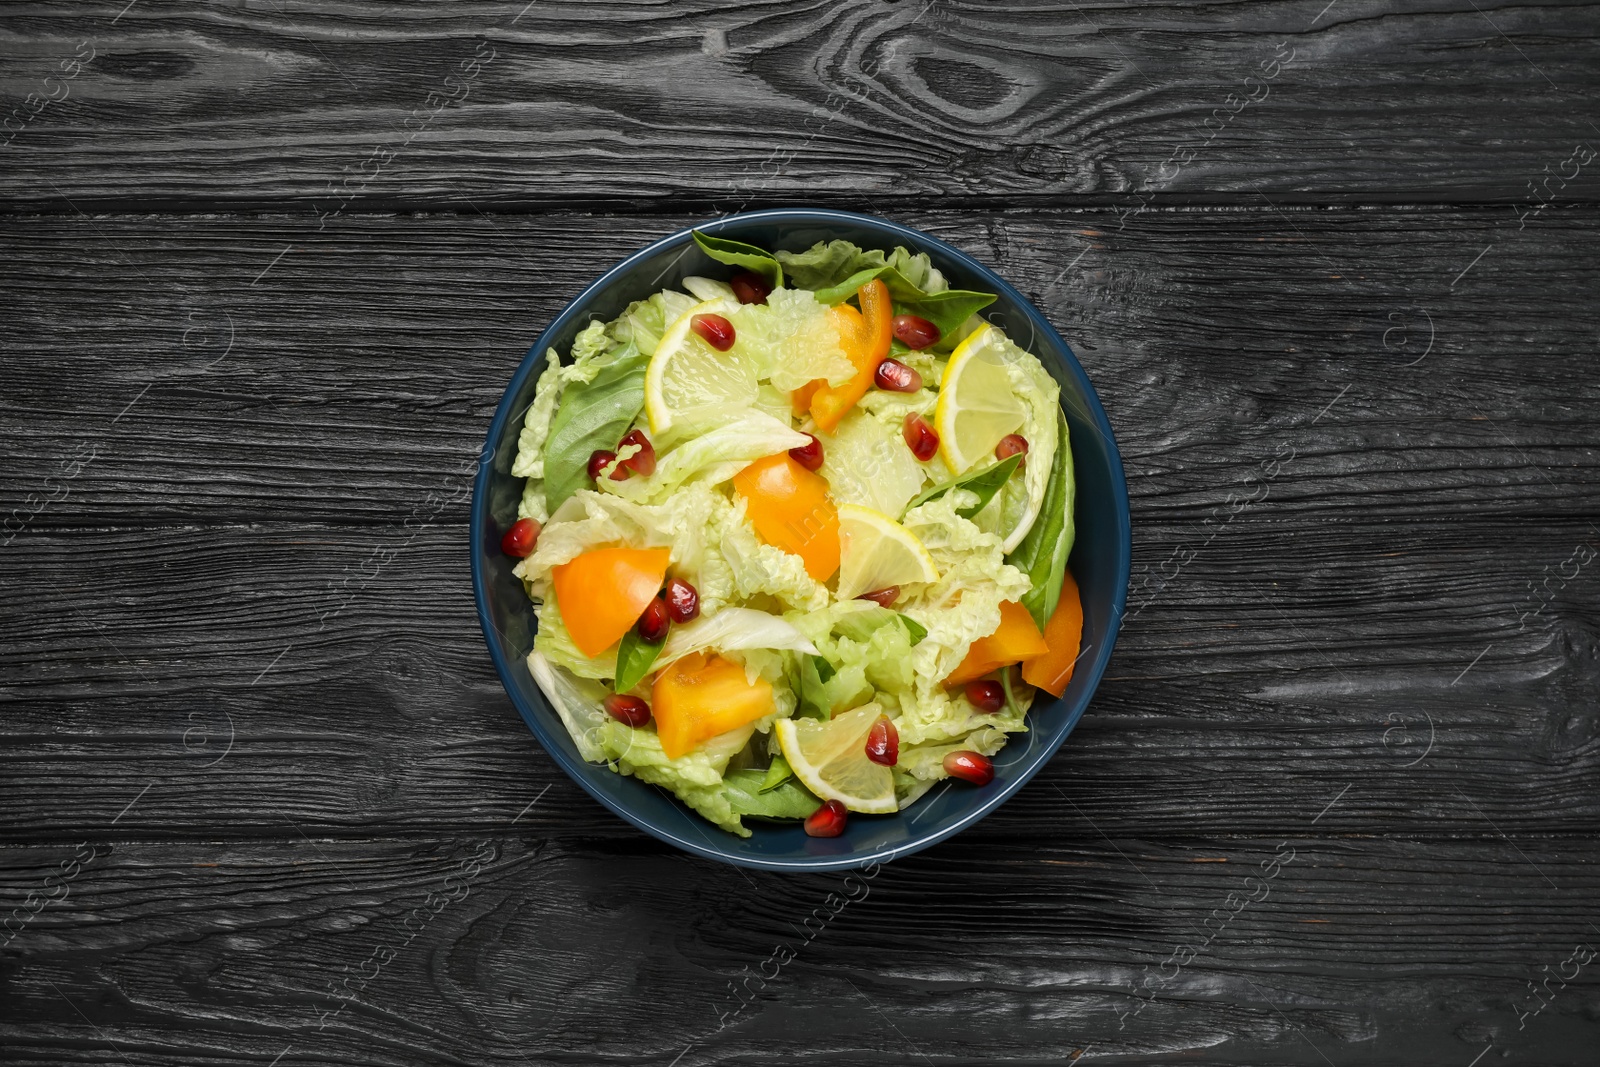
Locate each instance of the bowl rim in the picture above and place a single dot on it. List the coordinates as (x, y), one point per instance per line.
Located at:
(1093, 409)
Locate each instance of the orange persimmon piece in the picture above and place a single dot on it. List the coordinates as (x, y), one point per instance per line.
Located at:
(601, 593)
(1016, 639)
(865, 337)
(703, 695)
(800, 399)
(1063, 633)
(790, 508)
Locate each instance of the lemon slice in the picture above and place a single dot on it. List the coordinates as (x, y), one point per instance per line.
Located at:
(688, 379)
(876, 552)
(830, 758)
(978, 404)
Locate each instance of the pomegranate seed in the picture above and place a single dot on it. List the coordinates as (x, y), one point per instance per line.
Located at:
(598, 461)
(683, 600)
(828, 820)
(897, 377)
(883, 742)
(715, 330)
(986, 696)
(630, 710)
(808, 455)
(922, 439)
(885, 596)
(750, 287)
(653, 622)
(972, 767)
(520, 539)
(1012, 444)
(642, 461)
(914, 331)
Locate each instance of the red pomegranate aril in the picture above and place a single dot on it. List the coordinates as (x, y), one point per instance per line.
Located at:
(896, 377)
(828, 820)
(972, 767)
(643, 461)
(808, 455)
(630, 710)
(1012, 444)
(750, 287)
(598, 461)
(986, 696)
(883, 597)
(922, 439)
(520, 539)
(714, 330)
(683, 600)
(883, 742)
(654, 622)
(914, 331)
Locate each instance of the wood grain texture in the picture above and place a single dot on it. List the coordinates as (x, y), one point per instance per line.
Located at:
(640, 103)
(378, 952)
(263, 801)
(254, 674)
(250, 369)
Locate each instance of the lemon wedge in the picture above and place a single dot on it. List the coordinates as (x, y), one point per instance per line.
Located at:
(688, 379)
(876, 552)
(978, 404)
(830, 758)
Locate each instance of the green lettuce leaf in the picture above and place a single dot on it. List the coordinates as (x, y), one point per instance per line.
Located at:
(554, 642)
(739, 254)
(812, 674)
(713, 456)
(921, 766)
(1042, 554)
(778, 772)
(644, 321)
(747, 794)
(593, 415)
(964, 604)
(734, 629)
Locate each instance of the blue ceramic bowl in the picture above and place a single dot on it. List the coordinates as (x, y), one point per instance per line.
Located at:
(1099, 558)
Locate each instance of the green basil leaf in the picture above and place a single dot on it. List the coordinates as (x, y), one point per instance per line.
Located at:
(1042, 554)
(986, 483)
(835, 270)
(592, 415)
(791, 800)
(634, 659)
(739, 254)
(946, 310)
(839, 292)
(914, 629)
(777, 773)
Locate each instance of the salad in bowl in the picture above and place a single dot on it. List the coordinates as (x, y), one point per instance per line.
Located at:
(796, 536)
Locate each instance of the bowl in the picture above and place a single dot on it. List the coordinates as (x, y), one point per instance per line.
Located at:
(1100, 555)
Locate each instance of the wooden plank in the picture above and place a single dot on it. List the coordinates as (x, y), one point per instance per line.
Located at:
(1407, 363)
(526, 946)
(626, 104)
(1422, 678)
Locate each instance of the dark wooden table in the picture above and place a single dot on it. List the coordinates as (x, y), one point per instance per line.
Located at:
(268, 266)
